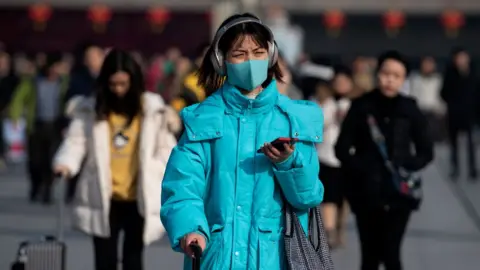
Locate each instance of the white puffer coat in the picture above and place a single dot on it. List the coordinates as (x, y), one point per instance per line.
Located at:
(87, 142)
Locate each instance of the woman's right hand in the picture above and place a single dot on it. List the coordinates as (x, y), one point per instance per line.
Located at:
(192, 238)
(61, 170)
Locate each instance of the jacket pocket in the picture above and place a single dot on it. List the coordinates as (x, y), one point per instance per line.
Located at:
(270, 248)
(213, 255)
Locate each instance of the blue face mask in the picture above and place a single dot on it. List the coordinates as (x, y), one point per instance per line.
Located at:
(247, 75)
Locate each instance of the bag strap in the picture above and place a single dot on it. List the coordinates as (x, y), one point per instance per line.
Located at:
(289, 222)
(379, 140)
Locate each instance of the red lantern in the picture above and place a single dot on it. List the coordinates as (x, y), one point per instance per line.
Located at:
(334, 21)
(158, 18)
(100, 15)
(40, 14)
(453, 21)
(393, 21)
(208, 17)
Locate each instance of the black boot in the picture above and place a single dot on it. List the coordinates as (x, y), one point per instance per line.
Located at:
(33, 195)
(47, 196)
(473, 174)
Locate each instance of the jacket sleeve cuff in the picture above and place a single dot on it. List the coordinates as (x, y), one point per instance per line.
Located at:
(200, 229)
(173, 219)
(288, 164)
(70, 162)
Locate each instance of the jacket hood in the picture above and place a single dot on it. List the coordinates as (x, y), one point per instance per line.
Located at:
(80, 104)
(152, 103)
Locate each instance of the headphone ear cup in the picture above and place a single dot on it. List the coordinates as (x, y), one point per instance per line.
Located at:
(272, 54)
(221, 65)
(215, 64)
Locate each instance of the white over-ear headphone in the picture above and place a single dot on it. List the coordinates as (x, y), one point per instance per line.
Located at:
(217, 57)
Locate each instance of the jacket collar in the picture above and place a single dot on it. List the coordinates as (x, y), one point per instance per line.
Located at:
(237, 104)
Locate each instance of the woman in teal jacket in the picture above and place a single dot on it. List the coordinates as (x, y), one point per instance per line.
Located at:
(218, 190)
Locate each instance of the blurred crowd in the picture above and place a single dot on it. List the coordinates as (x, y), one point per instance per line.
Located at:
(449, 99)
(173, 75)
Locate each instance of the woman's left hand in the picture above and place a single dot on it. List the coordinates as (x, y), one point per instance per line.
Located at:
(275, 155)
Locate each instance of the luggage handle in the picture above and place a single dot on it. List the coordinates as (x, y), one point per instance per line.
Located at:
(197, 254)
(60, 200)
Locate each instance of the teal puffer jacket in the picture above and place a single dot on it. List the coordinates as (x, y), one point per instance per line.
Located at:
(218, 185)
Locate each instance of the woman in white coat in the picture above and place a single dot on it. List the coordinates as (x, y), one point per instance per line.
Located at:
(120, 141)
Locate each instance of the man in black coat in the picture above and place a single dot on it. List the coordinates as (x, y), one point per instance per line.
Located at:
(82, 83)
(460, 93)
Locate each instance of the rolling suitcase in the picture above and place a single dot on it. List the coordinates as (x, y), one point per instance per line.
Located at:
(197, 254)
(48, 252)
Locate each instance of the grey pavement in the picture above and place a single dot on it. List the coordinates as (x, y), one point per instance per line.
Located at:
(443, 235)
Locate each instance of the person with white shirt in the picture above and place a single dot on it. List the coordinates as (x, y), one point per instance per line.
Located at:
(425, 87)
(335, 103)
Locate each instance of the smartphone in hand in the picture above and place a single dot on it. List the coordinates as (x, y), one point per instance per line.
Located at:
(279, 143)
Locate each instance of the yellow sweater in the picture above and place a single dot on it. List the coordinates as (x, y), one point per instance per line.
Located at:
(124, 160)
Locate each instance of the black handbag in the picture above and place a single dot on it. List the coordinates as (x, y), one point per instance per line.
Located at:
(302, 252)
(407, 183)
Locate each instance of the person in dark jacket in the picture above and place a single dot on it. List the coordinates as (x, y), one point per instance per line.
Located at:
(190, 92)
(82, 80)
(8, 83)
(381, 210)
(459, 91)
(39, 100)
(82, 83)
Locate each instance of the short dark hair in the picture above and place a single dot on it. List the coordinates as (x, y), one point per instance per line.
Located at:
(393, 55)
(208, 77)
(342, 70)
(119, 60)
(52, 58)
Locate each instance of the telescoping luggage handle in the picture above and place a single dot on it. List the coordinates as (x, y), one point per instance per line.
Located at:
(61, 181)
(197, 254)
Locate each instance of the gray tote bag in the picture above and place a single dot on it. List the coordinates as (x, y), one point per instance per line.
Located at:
(302, 252)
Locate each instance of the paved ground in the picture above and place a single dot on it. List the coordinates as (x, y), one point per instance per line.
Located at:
(444, 235)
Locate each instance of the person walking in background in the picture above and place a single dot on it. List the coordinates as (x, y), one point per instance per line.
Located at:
(190, 92)
(218, 190)
(330, 173)
(459, 91)
(40, 100)
(363, 76)
(382, 209)
(8, 83)
(82, 84)
(343, 90)
(286, 86)
(82, 81)
(122, 134)
(425, 88)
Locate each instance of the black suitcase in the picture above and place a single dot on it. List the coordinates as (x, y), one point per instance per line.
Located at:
(49, 252)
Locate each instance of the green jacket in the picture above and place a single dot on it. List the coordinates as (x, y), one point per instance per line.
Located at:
(24, 100)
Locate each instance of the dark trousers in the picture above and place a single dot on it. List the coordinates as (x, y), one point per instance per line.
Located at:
(437, 125)
(124, 216)
(453, 138)
(381, 233)
(43, 142)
